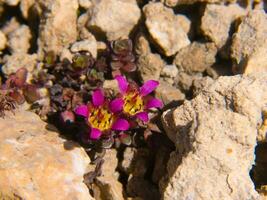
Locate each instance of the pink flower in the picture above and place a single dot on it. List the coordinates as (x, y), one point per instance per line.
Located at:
(102, 115)
(135, 102)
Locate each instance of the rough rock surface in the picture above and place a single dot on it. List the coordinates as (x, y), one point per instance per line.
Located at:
(165, 29)
(116, 18)
(58, 25)
(215, 136)
(196, 57)
(184, 81)
(168, 94)
(15, 61)
(107, 183)
(217, 20)
(88, 45)
(19, 40)
(26, 7)
(168, 73)
(34, 163)
(3, 41)
(250, 44)
(12, 2)
(150, 66)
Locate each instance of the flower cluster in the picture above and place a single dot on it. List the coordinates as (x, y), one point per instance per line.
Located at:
(104, 116)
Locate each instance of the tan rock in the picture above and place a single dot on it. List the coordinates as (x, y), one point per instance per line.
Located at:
(19, 40)
(142, 46)
(27, 8)
(165, 29)
(58, 25)
(3, 41)
(168, 94)
(168, 73)
(127, 163)
(185, 23)
(10, 26)
(34, 163)
(150, 66)
(217, 21)
(170, 3)
(15, 61)
(85, 3)
(250, 43)
(184, 81)
(196, 57)
(88, 45)
(12, 2)
(110, 187)
(116, 18)
(228, 110)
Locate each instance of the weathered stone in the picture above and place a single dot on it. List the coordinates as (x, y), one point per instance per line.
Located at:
(262, 132)
(150, 66)
(228, 110)
(10, 26)
(58, 25)
(199, 84)
(185, 23)
(170, 3)
(217, 21)
(85, 3)
(196, 57)
(249, 45)
(15, 61)
(27, 7)
(88, 45)
(116, 18)
(12, 2)
(34, 163)
(3, 41)
(127, 162)
(168, 73)
(168, 94)
(19, 40)
(110, 187)
(184, 81)
(142, 45)
(165, 29)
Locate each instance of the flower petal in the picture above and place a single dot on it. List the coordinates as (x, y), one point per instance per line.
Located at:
(95, 133)
(123, 83)
(148, 87)
(116, 105)
(98, 98)
(142, 116)
(154, 103)
(121, 125)
(82, 110)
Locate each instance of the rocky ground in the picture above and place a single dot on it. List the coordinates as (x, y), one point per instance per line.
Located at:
(210, 59)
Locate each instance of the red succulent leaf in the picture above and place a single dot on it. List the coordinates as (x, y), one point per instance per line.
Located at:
(31, 93)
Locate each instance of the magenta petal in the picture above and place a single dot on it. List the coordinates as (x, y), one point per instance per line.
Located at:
(116, 105)
(142, 116)
(95, 133)
(154, 103)
(98, 98)
(82, 110)
(123, 83)
(148, 87)
(121, 125)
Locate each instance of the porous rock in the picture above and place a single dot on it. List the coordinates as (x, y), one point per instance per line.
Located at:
(3, 41)
(18, 60)
(249, 44)
(165, 29)
(196, 57)
(217, 21)
(12, 2)
(19, 40)
(58, 26)
(215, 136)
(88, 45)
(27, 8)
(34, 163)
(150, 66)
(168, 73)
(114, 18)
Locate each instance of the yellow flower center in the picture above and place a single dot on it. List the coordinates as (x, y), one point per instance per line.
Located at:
(133, 103)
(101, 118)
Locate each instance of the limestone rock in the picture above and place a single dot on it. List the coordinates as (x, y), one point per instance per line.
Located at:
(217, 21)
(126, 164)
(150, 66)
(168, 94)
(88, 45)
(3, 41)
(12, 2)
(10, 26)
(58, 25)
(19, 40)
(34, 163)
(196, 57)
(142, 46)
(108, 184)
(85, 3)
(249, 45)
(168, 73)
(26, 8)
(115, 18)
(185, 23)
(15, 61)
(165, 29)
(215, 136)
(184, 81)
(170, 3)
